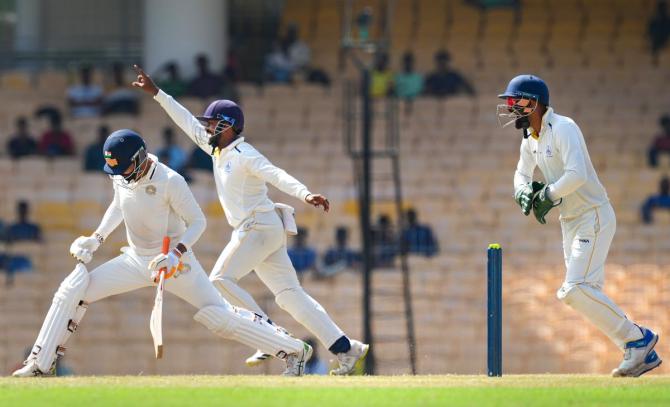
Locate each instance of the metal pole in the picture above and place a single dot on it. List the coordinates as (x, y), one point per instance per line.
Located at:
(365, 203)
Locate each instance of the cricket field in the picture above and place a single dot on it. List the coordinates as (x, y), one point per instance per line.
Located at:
(320, 391)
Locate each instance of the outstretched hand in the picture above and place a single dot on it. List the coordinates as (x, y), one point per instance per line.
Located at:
(144, 81)
(317, 200)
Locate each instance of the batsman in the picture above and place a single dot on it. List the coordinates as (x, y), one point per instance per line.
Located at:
(556, 145)
(153, 201)
(260, 226)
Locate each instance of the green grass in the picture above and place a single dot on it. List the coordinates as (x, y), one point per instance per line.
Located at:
(239, 391)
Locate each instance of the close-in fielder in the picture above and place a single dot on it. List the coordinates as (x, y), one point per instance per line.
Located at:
(260, 226)
(153, 201)
(556, 145)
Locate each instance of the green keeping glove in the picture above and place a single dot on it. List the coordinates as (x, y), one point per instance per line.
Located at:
(542, 205)
(524, 195)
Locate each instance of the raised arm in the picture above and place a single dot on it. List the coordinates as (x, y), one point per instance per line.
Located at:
(178, 113)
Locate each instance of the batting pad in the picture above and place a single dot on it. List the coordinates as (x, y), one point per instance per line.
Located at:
(310, 314)
(59, 322)
(247, 328)
(232, 292)
(601, 311)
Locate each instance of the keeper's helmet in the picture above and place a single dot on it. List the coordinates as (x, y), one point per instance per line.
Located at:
(520, 91)
(123, 149)
(228, 114)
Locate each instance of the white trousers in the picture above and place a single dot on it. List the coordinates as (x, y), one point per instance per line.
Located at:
(586, 243)
(259, 244)
(128, 272)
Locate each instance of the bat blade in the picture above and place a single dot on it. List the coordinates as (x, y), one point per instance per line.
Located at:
(156, 320)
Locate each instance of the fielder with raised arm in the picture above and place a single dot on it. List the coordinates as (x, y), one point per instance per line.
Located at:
(556, 145)
(260, 226)
(153, 201)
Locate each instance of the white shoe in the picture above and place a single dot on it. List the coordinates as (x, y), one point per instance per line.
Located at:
(349, 360)
(257, 358)
(30, 369)
(639, 356)
(295, 362)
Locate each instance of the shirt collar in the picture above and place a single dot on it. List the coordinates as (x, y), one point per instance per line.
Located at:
(547, 118)
(219, 152)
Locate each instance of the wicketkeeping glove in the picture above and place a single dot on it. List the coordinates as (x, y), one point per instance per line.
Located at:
(542, 205)
(524, 195)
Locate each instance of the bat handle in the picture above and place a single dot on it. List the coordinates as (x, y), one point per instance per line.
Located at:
(166, 244)
(165, 249)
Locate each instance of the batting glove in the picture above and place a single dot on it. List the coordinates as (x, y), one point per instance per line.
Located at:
(83, 247)
(170, 262)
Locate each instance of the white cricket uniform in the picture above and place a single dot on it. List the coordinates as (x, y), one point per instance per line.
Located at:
(258, 241)
(157, 205)
(587, 220)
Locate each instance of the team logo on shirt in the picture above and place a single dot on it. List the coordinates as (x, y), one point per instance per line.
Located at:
(548, 152)
(112, 162)
(150, 190)
(229, 167)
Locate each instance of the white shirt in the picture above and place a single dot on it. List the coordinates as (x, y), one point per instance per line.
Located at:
(159, 204)
(240, 171)
(560, 152)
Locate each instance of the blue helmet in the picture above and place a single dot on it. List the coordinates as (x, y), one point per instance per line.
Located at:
(123, 148)
(527, 86)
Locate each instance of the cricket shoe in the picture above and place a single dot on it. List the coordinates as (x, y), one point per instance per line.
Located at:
(295, 362)
(352, 359)
(639, 356)
(30, 369)
(257, 358)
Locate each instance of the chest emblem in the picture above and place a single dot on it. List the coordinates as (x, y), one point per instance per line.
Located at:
(228, 167)
(548, 153)
(150, 190)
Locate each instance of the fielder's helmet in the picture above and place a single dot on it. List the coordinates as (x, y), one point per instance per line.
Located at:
(227, 111)
(528, 86)
(121, 149)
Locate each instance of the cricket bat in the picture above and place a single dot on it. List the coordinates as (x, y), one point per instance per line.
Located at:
(156, 321)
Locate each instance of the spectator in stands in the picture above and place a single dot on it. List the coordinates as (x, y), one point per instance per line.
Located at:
(300, 55)
(381, 80)
(661, 143)
(21, 143)
(662, 200)
(23, 229)
(408, 83)
(175, 155)
(341, 254)
(315, 365)
(173, 84)
(444, 81)
(120, 97)
(278, 67)
(56, 141)
(384, 242)
(302, 256)
(417, 238)
(85, 99)
(206, 84)
(94, 159)
(659, 29)
(200, 160)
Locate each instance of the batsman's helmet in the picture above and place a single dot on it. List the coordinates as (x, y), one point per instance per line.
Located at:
(123, 148)
(527, 86)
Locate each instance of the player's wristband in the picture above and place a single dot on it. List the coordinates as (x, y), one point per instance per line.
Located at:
(180, 249)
